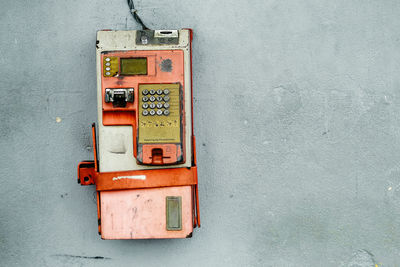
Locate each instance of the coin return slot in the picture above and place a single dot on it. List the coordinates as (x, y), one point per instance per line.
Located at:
(157, 156)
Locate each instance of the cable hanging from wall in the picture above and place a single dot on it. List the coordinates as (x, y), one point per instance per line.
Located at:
(135, 15)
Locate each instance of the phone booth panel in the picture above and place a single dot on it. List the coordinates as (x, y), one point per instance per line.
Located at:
(144, 147)
(145, 213)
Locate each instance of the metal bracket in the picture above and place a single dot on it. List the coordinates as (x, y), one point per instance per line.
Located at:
(86, 173)
(159, 37)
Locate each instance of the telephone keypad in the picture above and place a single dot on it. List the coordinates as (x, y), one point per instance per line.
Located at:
(159, 101)
(162, 121)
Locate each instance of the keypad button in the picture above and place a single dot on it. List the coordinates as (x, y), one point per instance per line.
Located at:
(108, 73)
(166, 98)
(152, 112)
(145, 99)
(152, 98)
(166, 112)
(145, 92)
(145, 105)
(159, 98)
(159, 112)
(159, 105)
(145, 112)
(166, 91)
(108, 68)
(108, 59)
(108, 64)
(152, 92)
(159, 92)
(166, 105)
(152, 105)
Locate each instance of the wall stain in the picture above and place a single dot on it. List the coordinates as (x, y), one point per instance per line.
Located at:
(82, 257)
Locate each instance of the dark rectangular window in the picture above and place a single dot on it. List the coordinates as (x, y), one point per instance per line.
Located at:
(133, 66)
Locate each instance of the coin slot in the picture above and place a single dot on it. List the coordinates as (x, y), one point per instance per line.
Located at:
(166, 34)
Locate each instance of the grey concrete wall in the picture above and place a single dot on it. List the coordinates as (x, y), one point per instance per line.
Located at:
(296, 116)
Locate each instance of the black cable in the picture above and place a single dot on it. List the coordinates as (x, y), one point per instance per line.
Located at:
(135, 15)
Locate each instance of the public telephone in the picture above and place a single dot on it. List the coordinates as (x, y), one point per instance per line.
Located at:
(145, 162)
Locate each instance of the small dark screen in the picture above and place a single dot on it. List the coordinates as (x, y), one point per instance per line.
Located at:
(133, 66)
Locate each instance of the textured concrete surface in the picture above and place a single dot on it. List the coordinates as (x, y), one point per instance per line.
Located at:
(297, 106)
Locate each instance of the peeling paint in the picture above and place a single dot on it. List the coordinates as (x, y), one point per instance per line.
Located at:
(133, 177)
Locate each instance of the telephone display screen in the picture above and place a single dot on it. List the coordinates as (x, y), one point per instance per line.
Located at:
(133, 66)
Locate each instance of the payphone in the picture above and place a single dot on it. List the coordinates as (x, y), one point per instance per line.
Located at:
(144, 164)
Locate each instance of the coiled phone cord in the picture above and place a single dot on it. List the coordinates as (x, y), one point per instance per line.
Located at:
(135, 15)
